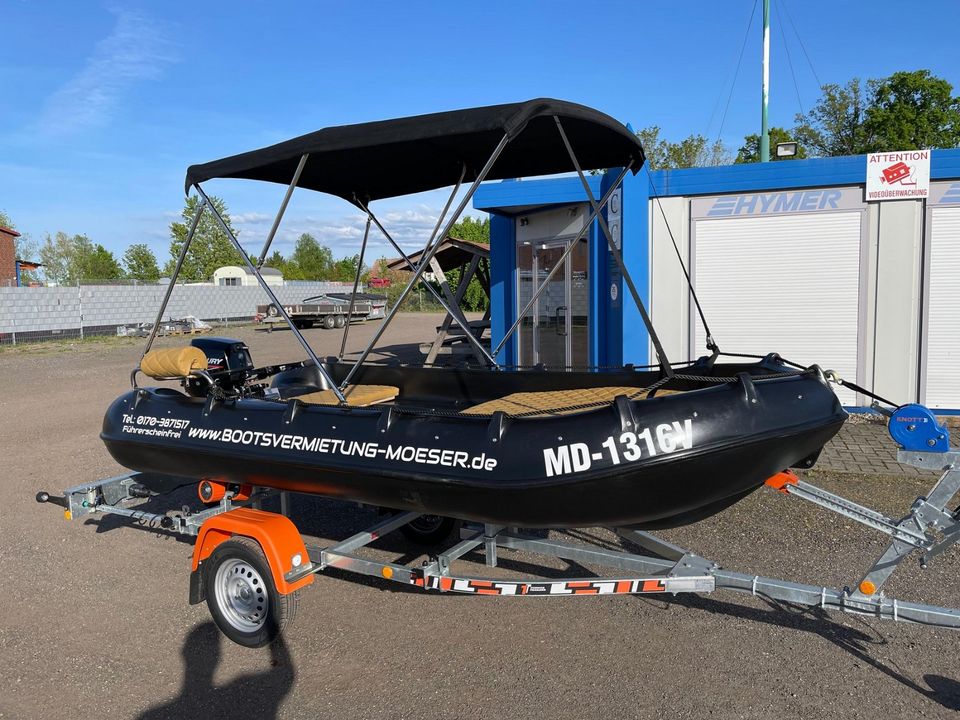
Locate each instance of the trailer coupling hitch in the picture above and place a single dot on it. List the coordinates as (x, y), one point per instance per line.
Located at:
(44, 497)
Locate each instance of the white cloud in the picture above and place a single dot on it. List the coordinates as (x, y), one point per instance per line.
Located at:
(343, 234)
(137, 49)
(250, 218)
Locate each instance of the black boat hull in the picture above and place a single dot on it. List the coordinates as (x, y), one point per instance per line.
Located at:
(648, 463)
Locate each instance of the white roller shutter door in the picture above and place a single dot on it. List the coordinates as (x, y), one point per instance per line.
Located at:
(787, 284)
(943, 310)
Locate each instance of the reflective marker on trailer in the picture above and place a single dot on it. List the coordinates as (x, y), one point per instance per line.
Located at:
(599, 586)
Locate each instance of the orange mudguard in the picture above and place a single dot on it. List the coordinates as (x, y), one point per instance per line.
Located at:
(277, 535)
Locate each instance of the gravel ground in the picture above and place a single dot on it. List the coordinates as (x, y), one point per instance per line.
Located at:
(96, 622)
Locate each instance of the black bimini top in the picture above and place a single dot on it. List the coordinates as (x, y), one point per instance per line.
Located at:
(388, 158)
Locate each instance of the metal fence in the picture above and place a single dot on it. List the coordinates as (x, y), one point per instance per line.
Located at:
(31, 314)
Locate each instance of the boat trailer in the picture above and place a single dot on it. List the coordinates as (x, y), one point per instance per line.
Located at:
(246, 559)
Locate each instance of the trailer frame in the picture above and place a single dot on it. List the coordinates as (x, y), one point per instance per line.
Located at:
(660, 567)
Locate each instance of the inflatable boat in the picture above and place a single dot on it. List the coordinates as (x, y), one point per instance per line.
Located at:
(525, 448)
(531, 447)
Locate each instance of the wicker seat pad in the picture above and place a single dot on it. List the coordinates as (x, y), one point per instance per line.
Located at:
(556, 402)
(356, 395)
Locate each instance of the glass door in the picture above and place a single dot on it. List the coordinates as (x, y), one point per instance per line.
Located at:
(552, 308)
(554, 331)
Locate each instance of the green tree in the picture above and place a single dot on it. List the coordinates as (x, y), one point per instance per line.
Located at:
(912, 111)
(92, 261)
(287, 267)
(906, 111)
(55, 254)
(313, 260)
(6, 222)
(141, 263)
(472, 229)
(68, 260)
(345, 269)
(398, 279)
(693, 151)
(474, 298)
(835, 125)
(275, 260)
(750, 150)
(210, 248)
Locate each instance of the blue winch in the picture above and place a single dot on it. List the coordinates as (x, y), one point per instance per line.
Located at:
(915, 427)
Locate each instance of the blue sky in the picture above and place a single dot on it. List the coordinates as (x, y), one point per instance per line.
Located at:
(106, 104)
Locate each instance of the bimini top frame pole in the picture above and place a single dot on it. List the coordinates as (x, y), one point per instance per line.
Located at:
(176, 274)
(425, 260)
(273, 298)
(353, 294)
(282, 210)
(661, 355)
(453, 310)
(371, 161)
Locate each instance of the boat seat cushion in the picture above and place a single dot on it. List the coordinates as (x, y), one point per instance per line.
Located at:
(173, 362)
(556, 402)
(356, 395)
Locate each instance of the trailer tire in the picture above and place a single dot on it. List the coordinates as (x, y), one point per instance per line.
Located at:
(428, 529)
(329, 322)
(340, 321)
(241, 595)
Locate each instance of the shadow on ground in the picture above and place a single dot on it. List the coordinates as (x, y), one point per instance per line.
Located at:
(327, 518)
(861, 643)
(256, 695)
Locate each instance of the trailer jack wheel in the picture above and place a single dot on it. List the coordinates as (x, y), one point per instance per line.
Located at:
(428, 529)
(242, 596)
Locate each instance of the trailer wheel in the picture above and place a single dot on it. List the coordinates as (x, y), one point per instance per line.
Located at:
(428, 529)
(329, 322)
(242, 596)
(339, 321)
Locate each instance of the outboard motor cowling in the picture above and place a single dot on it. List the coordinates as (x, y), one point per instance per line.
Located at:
(228, 363)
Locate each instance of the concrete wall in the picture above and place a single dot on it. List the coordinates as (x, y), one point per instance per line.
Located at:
(52, 311)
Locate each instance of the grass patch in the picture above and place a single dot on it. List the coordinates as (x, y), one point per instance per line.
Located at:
(52, 346)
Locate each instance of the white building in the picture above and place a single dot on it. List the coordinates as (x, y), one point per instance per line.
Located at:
(242, 277)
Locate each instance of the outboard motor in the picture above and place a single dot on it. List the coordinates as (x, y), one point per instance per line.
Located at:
(228, 363)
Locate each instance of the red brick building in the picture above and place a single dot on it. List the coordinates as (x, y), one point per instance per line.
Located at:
(8, 260)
